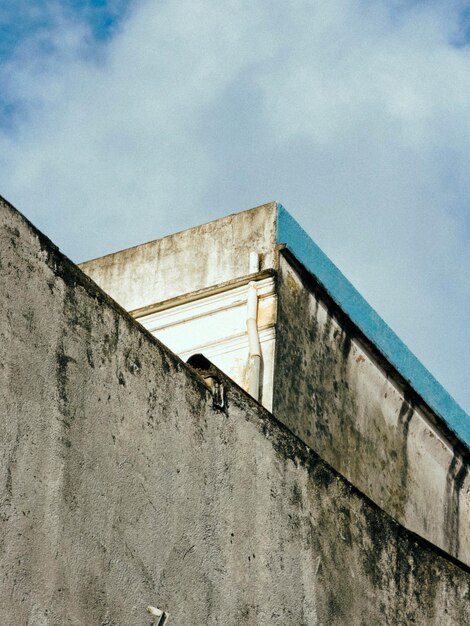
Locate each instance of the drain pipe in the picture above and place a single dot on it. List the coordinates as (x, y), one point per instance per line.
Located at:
(252, 328)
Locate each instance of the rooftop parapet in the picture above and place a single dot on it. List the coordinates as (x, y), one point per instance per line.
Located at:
(132, 482)
(331, 369)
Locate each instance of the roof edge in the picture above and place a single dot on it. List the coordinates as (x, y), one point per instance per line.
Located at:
(109, 255)
(346, 296)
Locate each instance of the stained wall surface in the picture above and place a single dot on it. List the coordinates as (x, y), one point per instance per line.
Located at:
(121, 485)
(358, 417)
(321, 377)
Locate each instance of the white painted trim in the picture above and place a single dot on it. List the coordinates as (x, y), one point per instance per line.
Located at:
(206, 306)
(229, 344)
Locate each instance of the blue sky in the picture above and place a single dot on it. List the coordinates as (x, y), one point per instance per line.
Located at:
(24, 19)
(121, 122)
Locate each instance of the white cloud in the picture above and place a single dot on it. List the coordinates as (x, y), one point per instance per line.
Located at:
(354, 115)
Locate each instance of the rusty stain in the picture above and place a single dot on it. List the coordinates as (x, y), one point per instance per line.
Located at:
(360, 359)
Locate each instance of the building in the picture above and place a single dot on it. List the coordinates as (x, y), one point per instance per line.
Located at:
(133, 479)
(360, 398)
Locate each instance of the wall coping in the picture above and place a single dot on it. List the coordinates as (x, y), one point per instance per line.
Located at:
(389, 345)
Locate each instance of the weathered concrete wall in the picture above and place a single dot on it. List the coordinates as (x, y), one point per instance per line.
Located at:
(122, 486)
(359, 419)
(352, 406)
(188, 261)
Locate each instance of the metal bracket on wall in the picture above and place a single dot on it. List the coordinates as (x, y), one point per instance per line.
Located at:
(208, 373)
(218, 391)
(161, 616)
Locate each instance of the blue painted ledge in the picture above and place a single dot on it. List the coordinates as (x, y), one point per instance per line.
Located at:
(290, 233)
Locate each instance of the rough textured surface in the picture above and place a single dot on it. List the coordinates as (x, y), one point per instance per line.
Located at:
(185, 262)
(123, 486)
(356, 417)
(342, 380)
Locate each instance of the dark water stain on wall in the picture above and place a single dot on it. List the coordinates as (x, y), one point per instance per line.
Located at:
(311, 343)
(62, 364)
(456, 475)
(341, 414)
(403, 427)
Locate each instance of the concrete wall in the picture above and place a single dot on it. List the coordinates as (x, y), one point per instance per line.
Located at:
(331, 386)
(358, 417)
(122, 486)
(188, 261)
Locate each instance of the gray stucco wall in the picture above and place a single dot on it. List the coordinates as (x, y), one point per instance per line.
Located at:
(121, 485)
(188, 261)
(358, 417)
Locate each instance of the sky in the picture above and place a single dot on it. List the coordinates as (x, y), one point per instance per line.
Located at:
(122, 121)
